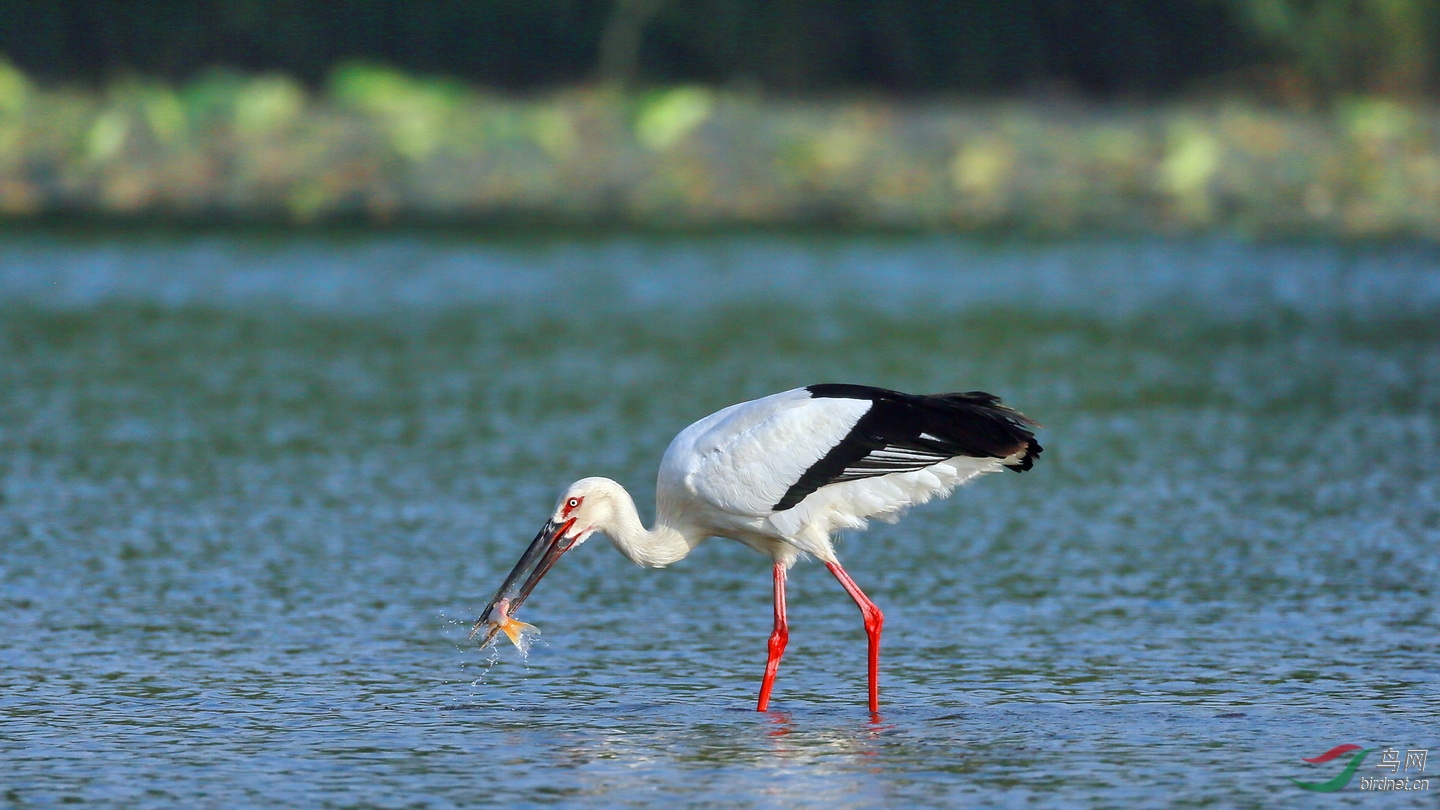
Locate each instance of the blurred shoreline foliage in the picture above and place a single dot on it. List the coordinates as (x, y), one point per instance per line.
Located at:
(376, 144)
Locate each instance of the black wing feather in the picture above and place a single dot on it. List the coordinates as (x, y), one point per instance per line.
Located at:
(909, 432)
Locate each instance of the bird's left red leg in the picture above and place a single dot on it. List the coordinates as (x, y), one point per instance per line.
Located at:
(874, 621)
(778, 639)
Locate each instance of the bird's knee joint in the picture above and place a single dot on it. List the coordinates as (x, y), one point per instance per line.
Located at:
(874, 620)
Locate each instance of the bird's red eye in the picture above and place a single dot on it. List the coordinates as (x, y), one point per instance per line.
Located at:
(572, 504)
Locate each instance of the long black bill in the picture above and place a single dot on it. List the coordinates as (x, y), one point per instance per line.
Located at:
(537, 560)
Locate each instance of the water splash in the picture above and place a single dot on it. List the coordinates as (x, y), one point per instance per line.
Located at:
(523, 636)
(498, 620)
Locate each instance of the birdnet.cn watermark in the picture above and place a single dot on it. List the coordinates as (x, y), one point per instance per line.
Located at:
(1406, 769)
(1399, 778)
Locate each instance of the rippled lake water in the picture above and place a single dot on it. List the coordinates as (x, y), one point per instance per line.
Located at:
(253, 489)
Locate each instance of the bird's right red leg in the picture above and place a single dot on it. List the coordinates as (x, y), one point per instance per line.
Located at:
(874, 621)
(778, 638)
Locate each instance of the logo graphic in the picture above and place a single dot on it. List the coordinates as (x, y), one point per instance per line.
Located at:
(1389, 761)
(1341, 779)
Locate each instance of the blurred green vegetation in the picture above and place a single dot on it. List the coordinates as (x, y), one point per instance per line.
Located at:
(1040, 116)
(379, 145)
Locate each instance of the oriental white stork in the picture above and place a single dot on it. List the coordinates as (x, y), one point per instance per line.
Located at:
(781, 474)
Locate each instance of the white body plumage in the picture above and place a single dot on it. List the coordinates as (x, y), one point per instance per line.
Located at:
(724, 474)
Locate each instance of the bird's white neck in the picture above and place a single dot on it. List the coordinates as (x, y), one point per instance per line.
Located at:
(652, 548)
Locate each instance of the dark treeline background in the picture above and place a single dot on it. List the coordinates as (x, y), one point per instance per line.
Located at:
(1097, 48)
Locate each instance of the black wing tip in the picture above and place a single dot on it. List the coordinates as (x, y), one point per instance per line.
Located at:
(1032, 453)
(1014, 424)
(963, 423)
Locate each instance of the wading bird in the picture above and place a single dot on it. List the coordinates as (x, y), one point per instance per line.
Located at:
(781, 474)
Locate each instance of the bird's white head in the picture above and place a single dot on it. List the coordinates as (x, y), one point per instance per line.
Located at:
(588, 505)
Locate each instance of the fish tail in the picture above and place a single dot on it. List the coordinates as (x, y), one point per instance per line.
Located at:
(516, 631)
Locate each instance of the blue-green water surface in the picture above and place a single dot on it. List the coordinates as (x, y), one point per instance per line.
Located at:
(253, 489)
